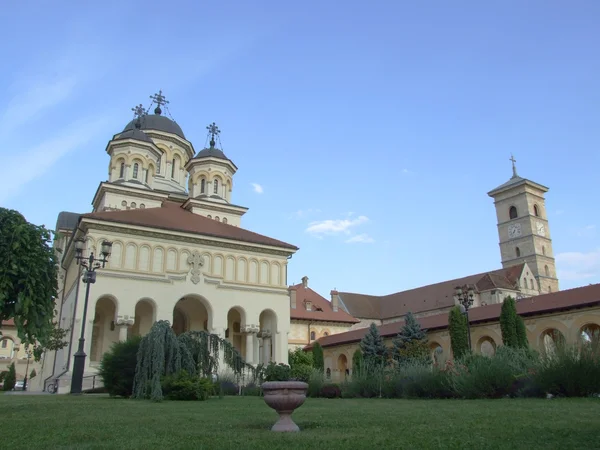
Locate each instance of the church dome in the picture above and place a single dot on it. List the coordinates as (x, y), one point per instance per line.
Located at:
(158, 123)
(133, 133)
(211, 152)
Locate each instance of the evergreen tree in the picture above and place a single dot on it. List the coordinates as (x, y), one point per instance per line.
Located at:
(318, 360)
(522, 340)
(508, 323)
(357, 361)
(459, 335)
(10, 379)
(373, 348)
(411, 341)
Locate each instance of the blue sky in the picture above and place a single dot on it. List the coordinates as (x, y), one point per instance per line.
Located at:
(375, 131)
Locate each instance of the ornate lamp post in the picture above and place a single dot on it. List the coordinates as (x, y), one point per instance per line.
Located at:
(464, 295)
(90, 264)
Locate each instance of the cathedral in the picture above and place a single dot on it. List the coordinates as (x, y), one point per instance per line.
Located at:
(172, 247)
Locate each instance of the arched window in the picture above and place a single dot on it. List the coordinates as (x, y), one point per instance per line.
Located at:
(158, 164)
(543, 250)
(122, 171)
(518, 252)
(173, 168)
(312, 335)
(136, 168)
(328, 372)
(216, 186)
(224, 219)
(209, 216)
(4, 343)
(202, 185)
(146, 176)
(217, 218)
(325, 333)
(133, 205)
(547, 271)
(512, 212)
(536, 212)
(549, 288)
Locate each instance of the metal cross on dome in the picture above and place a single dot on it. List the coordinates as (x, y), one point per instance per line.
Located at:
(160, 100)
(139, 111)
(213, 130)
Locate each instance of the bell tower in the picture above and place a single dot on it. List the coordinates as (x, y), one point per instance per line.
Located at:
(523, 228)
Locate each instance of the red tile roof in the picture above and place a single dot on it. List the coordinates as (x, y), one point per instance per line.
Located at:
(171, 216)
(426, 298)
(321, 308)
(542, 304)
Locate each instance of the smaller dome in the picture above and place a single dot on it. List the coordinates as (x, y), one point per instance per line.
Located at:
(211, 152)
(157, 122)
(134, 133)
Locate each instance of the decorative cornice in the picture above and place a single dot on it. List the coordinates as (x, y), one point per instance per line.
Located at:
(157, 279)
(124, 143)
(187, 146)
(116, 227)
(223, 285)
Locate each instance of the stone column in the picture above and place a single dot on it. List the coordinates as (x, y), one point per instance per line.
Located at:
(123, 325)
(266, 347)
(250, 331)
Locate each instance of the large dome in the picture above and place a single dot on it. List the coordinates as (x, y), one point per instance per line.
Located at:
(157, 122)
(211, 152)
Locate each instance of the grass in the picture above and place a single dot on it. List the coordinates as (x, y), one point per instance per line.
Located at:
(97, 422)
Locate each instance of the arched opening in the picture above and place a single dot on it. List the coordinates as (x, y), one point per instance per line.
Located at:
(590, 332)
(202, 185)
(7, 348)
(158, 164)
(216, 186)
(536, 211)
(122, 170)
(328, 373)
(487, 346)
(512, 212)
(191, 313)
(224, 219)
(342, 365)
(551, 340)
(173, 168)
(104, 331)
(144, 318)
(136, 169)
(217, 218)
(325, 333)
(268, 331)
(313, 335)
(436, 352)
(543, 250)
(235, 319)
(518, 251)
(547, 271)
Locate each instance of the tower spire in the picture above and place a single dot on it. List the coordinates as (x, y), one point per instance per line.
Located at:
(160, 100)
(514, 166)
(213, 130)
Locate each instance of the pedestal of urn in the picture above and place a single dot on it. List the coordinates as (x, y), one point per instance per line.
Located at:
(284, 397)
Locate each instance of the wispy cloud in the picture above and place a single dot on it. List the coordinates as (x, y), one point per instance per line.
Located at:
(41, 157)
(257, 188)
(559, 212)
(587, 231)
(360, 239)
(578, 265)
(303, 213)
(338, 226)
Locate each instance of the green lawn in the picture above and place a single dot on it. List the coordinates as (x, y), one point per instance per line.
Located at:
(94, 422)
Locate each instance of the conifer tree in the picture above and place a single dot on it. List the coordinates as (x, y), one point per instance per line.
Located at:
(357, 361)
(411, 341)
(318, 360)
(10, 379)
(508, 323)
(373, 348)
(459, 337)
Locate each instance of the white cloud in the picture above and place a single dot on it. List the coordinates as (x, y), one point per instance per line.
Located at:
(360, 238)
(578, 265)
(404, 170)
(302, 213)
(339, 226)
(257, 188)
(41, 157)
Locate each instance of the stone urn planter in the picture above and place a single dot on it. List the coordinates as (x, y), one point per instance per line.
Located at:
(284, 397)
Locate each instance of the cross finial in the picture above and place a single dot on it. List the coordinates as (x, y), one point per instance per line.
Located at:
(514, 166)
(138, 113)
(160, 100)
(213, 130)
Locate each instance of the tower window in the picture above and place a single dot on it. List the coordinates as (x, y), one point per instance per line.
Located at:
(536, 212)
(173, 168)
(543, 250)
(216, 187)
(136, 168)
(122, 171)
(512, 212)
(547, 271)
(146, 177)
(158, 162)
(202, 185)
(518, 252)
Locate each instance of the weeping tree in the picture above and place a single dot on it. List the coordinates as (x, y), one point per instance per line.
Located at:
(162, 353)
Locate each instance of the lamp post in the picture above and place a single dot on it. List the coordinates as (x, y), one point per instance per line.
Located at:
(90, 264)
(28, 354)
(464, 295)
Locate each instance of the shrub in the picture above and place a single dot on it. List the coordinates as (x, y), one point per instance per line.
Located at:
(300, 358)
(226, 384)
(419, 380)
(183, 386)
(316, 380)
(10, 379)
(117, 367)
(277, 372)
(318, 361)
(330, 391)
(457, 327)
(357, 361)
(365, 383)
(572, 371)
(251, 390)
